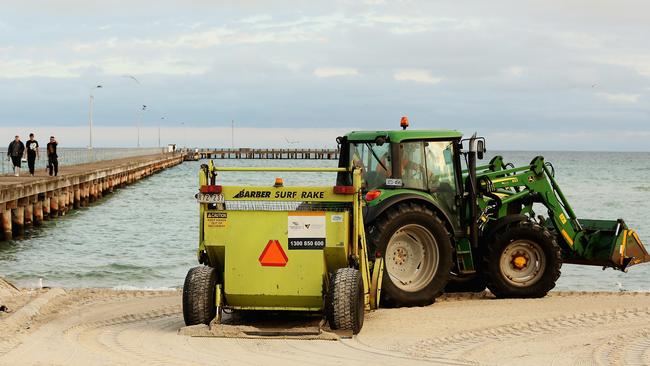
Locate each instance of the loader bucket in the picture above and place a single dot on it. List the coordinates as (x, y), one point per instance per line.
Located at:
(611, 244)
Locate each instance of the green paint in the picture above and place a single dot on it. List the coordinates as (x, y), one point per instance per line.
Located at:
(404, 135)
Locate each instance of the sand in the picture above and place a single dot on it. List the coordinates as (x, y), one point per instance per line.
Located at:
(106, 327)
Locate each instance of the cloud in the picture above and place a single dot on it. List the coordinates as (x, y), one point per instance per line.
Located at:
(416, 75)
(126, 136)
(640, 63)
(20, 69)
(620, 97)
(25, 68)
(256, 19)
(164, 66)
(514, 71)
(327, 72)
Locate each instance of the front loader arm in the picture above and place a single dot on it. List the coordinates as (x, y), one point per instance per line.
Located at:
(535, 180)
(609, 243)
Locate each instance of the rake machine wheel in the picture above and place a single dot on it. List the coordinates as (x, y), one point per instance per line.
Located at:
(199, 293)
(345, 303)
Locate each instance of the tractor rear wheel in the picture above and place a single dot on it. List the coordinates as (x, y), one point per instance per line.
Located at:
(345, 301)
(522, 261)
(417, 253)
(199, 293)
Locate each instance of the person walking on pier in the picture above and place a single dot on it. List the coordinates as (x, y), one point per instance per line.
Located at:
(15, 153)
(52, 157)
(32, 153)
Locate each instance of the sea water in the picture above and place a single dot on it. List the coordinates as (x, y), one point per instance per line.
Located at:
(145, 235)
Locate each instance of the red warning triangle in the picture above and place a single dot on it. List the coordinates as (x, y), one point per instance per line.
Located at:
(273, 255)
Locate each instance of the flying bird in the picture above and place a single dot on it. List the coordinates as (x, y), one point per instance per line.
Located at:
(131, 77)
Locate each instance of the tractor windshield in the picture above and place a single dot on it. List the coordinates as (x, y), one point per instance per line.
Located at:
(375, 161)
(429, 166)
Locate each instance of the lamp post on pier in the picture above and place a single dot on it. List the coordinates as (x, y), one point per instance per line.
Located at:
(161, 119)
(144, 108)
(91, 103)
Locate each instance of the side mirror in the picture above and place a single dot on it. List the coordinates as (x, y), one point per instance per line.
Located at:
(480, 149)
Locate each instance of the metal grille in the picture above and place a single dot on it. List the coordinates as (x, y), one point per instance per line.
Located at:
(72, 156)
(287, 206)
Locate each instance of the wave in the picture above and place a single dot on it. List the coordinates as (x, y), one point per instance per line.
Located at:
(145, 288)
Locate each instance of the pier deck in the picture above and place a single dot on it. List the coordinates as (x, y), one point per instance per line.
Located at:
(27, 200)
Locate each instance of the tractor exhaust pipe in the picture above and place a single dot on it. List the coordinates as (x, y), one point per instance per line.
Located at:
(476, 150)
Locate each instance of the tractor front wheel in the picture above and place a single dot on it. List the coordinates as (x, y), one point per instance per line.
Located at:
(199, 293)
(417, 254)
(522, 261)
(345, 300)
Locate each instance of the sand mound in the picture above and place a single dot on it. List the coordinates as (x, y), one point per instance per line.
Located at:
(7, 289)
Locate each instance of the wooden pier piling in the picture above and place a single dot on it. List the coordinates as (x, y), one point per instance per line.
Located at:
(38, 213)
(6, 224)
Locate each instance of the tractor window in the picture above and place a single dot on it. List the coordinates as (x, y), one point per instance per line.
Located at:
(412, 164)
(374, 159)
(440, 170)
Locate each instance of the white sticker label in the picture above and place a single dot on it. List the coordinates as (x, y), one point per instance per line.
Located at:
(337, 218)
(306, 230)
(392, 182)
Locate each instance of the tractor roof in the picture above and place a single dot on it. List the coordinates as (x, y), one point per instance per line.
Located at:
(404, 135)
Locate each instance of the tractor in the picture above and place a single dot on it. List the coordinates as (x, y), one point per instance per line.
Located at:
(442, 223)
(411, 215)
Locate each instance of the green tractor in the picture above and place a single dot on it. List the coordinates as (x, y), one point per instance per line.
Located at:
(440, 222)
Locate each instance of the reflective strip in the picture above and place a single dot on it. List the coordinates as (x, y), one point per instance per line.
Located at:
(567, 238)
(622, 248)
(505, 179)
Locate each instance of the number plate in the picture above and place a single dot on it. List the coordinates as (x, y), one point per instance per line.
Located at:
(210, 198)
(391, 182)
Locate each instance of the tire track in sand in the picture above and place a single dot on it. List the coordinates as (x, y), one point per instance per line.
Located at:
(457, 345)
(630, 346)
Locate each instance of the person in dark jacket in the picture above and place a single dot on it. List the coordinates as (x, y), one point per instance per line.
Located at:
(32, 153)
(52, 157)
(15, 153)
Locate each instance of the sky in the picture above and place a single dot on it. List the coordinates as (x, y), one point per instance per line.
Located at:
(527, 75)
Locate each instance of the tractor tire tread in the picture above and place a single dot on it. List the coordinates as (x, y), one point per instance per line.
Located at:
(554, 259)
(381, 225)
(199, 295)
(345, 303)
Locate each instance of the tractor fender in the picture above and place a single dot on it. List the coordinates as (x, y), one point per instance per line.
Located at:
(502, 222)
(371, 213)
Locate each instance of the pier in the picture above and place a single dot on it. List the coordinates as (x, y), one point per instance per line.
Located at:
(265, 153)
(27, 201)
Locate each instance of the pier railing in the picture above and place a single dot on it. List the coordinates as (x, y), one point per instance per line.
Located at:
(72, 156)
(266, 153)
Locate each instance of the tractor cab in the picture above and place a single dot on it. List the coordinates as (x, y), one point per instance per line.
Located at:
(420, 164)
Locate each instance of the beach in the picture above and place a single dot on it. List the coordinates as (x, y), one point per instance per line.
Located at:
(111, 327)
